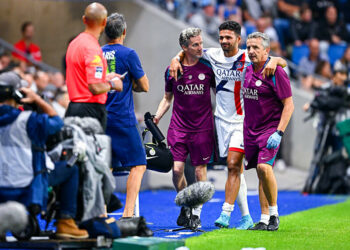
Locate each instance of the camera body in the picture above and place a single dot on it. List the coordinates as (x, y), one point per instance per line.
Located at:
(8, 92)
(18, 95)
(331, 99)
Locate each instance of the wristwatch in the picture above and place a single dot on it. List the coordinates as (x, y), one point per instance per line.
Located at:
(279, 132)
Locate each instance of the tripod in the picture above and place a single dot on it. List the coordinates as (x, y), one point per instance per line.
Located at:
(191, 226)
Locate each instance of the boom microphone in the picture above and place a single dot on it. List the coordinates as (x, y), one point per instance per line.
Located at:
(13, 217)
(195, 194)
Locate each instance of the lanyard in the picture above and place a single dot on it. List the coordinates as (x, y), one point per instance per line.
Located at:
(268, 59)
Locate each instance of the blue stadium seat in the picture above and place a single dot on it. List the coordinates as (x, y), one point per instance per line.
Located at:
(335, 52)
(299, 52)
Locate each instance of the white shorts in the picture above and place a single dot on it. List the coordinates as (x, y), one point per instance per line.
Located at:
(230, 136)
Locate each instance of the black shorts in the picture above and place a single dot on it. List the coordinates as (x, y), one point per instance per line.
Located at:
(85, 109)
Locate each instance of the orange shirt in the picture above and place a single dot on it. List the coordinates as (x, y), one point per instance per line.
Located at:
(85, 65)
(31, 50)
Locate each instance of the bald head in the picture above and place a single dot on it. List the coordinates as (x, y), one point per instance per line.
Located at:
(95, 14)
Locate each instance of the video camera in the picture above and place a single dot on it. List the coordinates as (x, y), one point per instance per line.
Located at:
(331, 99)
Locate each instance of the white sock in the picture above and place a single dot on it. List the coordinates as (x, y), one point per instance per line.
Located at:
(227, 208)
(197, 210)
(242, 200)
(264, 218)
(273, 210)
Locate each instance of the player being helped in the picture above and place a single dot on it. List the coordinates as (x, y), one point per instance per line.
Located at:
(229, 64)
(191, 130)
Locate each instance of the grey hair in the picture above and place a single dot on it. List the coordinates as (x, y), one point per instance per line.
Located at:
(265, 40)
(186, 35)
(115, 26)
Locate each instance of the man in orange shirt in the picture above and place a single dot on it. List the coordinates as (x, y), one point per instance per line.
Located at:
(26, 44)
(87, 81)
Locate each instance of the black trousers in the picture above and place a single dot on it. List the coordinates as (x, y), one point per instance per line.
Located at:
(85, 109)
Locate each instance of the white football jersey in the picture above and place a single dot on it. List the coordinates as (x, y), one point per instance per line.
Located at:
(229, 77)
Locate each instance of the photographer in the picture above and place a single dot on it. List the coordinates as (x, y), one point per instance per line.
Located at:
(23, 135)
(331, 105)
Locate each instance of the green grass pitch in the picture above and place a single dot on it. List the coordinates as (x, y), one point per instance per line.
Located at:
(326, 227)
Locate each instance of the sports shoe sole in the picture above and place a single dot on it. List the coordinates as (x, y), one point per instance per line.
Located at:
(251, 226)
(220, 225)
(70, 236)
(271, 230)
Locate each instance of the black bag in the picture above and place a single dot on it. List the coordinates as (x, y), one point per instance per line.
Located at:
(158, 156)
(101, 226)
(332, 178)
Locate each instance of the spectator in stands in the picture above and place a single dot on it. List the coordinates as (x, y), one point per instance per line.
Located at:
(26, 44)
(5, 60)
(229, 8)
(41, 80)
(303, 29)
(61, 101)
(318, 8)
(264, 25)
(345, 13)
(323, 75)
(183, 9)
(307, 64)
(331, 30)
(57, 79)
(343, 62)
(239, 20)
(287, 10)
(253, 9)
(206, 20)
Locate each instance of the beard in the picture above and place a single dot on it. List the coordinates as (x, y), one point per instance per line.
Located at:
(227, 47)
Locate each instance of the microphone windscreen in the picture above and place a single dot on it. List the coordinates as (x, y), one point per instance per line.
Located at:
(13, 217)
(195, 194)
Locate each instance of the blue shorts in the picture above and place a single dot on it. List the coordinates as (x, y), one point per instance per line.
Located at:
(127, 147)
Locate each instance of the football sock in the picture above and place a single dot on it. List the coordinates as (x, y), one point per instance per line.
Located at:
(242, 200)
(227, 208)
(197, 210)
(264, 218)
(273, 210)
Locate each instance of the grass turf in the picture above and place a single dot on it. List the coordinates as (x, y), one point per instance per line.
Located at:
(326, 227)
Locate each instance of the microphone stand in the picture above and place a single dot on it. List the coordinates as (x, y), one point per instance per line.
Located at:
(195, 230)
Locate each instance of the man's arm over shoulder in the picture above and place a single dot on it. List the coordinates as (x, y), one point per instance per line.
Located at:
(272, 64)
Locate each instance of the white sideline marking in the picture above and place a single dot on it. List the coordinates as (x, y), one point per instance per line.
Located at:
(186, 233)
(172, 236)
(215, 200)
